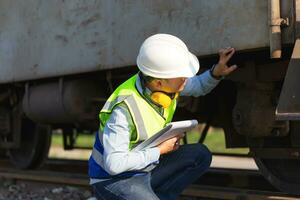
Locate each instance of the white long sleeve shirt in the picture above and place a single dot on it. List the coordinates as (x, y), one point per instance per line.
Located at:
(117, 131)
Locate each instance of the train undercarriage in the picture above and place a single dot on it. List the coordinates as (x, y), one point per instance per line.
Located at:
(243, 105)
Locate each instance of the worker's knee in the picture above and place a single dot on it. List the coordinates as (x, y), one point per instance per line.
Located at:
(203, 156)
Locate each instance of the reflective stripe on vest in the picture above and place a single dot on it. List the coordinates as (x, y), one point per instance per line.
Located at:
(129, 100)
(147, 123)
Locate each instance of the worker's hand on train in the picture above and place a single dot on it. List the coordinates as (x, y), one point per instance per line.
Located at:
(221, 69)
(170, 144)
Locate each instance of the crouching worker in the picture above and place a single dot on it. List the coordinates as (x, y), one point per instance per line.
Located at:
(139, 108)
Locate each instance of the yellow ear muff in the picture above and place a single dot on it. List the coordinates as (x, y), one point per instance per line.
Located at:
(161, 99)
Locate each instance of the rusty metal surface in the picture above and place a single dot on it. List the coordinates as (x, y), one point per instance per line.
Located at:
(51, 38)
(289, 102)
(253, 114)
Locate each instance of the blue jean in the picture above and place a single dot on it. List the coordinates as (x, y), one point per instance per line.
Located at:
(174, 173)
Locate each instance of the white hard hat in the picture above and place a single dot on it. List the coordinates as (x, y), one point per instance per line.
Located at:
(166, 56)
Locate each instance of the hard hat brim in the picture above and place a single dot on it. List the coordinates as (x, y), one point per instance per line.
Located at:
(193, 67)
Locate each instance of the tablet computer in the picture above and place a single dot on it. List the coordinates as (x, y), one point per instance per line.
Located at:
(169, 131)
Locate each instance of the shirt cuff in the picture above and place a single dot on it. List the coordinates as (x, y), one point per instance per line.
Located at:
(211, 70)
(210, 78)
(154, 154)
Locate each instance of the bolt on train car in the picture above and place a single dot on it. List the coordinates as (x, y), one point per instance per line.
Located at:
(60, 59)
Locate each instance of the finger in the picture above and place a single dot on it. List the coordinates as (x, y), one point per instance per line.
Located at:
(171, 140)
(226, 51)
(231, 52)
(174, 139)
(229, 55)
(231, 69)
(176, 146)
(220, 51)
(226, 54)
(177, 142)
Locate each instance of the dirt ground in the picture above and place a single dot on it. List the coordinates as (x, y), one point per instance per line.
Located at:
(21, 190)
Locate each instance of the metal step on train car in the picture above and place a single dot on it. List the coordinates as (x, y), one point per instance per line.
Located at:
(60, 59)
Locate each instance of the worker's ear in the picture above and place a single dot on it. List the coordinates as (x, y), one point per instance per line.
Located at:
(158, 83)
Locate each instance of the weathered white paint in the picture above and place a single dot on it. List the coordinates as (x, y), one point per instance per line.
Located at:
(42, 38)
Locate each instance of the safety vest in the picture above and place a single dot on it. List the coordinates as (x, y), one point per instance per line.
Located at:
(146, 119)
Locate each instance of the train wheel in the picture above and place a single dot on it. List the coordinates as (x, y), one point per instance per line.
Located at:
(282, 173)
(34, 147)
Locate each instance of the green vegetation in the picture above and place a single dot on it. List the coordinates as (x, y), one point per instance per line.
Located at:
(82, 140)
(215, 141)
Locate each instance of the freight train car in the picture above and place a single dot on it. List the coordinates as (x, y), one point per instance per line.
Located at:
(60, 59)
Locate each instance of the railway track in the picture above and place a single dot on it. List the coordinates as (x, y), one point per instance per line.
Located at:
(217, 183)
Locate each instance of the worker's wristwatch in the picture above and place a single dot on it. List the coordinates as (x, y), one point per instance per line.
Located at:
(212, 74)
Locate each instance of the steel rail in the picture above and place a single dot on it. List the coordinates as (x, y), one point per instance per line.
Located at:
(215, 184)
